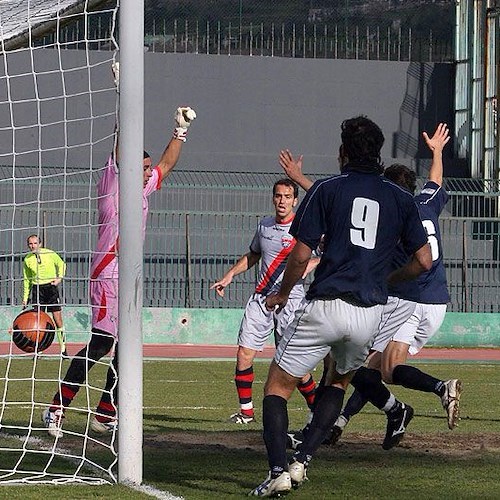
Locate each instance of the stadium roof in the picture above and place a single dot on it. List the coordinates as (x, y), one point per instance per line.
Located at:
(19, 17)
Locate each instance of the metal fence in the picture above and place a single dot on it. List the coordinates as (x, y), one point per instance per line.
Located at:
(353, 30)
(203, 222)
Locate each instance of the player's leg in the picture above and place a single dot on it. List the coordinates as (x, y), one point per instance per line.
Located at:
(99, 345)
(307, 385)
(334, 322)
(243, 379)
(105, 419)
(295, 355)
(428, 319)
(256, 326)
(277, 391)
(355, 403)
(49, 296)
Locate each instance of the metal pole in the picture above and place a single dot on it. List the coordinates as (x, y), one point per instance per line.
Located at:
(131, 241)
(187, 302)
(465, 284)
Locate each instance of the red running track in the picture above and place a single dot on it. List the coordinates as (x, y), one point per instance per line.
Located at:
(179, 351)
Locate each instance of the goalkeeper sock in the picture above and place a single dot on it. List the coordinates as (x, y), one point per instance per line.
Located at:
(63, 398)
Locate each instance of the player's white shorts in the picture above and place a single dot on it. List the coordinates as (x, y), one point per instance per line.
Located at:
(321, 325)
(104, 300)
(258, 322)
(410, 323)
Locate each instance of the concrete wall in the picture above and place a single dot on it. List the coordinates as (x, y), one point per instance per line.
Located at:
(248, 107)
(163, 325)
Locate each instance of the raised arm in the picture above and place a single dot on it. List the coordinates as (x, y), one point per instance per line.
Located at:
(244, 263)
(293, 169)
(183, 118)
(436, 144)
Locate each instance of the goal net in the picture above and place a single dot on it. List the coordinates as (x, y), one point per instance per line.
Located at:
(58, 106)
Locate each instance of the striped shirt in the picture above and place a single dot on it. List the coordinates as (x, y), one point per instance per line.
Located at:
(274, 243)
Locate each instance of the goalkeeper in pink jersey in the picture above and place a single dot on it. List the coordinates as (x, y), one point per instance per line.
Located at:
(104, 284)
(271, 245)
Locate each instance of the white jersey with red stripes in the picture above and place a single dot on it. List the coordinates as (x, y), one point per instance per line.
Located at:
(104, 263)
(274, 243)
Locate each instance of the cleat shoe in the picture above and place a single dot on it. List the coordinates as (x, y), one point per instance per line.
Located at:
(337, 430)
(276, 487)
(239, 418)
(396, 426)
(451, 401)
(53, 421)
(103, 427)
(294, 439)
(298, 473)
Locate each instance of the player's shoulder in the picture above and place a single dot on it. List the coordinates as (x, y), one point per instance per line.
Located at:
(431, 189)
(397, 190)
(267, 221)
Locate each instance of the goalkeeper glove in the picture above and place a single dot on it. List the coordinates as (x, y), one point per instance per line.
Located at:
(183, 117)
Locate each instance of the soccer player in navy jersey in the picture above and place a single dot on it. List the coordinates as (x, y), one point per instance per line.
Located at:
(415, 310)
(362, 217)
(271, 246)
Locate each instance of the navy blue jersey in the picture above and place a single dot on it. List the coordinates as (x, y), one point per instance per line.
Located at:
(363, 216)
(431, 286)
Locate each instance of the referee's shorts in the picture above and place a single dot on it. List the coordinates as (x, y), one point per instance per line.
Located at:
(46, 297)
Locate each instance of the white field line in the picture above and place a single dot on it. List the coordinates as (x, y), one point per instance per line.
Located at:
(154, 492)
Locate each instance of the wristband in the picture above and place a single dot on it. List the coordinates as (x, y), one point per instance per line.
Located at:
(180, 133)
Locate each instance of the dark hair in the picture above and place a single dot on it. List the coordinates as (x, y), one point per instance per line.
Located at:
(146, 155)
(289, 183)
(402, 176)
(362, 141)
(33, 236)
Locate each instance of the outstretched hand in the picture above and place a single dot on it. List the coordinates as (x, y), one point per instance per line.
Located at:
(220, 286)
(293, 169)
(183, 117)
(440, 138)
(291, 166)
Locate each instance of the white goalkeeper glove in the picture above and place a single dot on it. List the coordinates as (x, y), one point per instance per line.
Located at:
(183, 117)
(115, 68)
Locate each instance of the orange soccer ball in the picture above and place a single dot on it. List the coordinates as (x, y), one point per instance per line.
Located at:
(33, 331)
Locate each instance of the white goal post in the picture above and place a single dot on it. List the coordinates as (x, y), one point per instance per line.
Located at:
(58, 109)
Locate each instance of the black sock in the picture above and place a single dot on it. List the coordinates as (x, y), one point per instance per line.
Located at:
(369, 383)
(275, 422)
(354, 404)
(327, 410)
(413, 378)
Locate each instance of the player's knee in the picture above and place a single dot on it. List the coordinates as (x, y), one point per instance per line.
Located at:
(245, 357)
(387, 375)
(99, 346)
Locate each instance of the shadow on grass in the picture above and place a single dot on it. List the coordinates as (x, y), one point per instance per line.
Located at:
(208, 465)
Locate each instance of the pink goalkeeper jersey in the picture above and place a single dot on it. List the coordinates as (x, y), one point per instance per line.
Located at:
(104, 263)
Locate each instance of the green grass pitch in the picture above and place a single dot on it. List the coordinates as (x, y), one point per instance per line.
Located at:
(191, 450)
